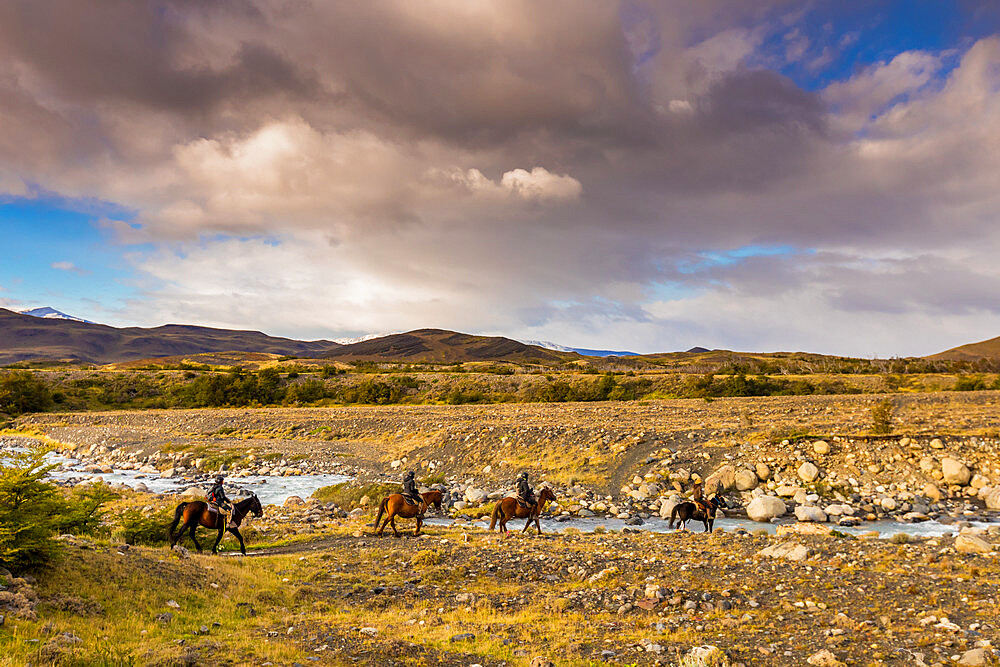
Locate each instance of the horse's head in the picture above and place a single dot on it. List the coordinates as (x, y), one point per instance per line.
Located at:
(255, 507)
(719, 502)
(546, 494)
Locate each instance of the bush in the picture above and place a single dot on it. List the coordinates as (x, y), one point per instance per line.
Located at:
(882, 417)
(31, 510)
(133, 526)
(22, 392)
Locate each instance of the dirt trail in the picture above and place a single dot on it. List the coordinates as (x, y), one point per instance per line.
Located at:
(633, 460)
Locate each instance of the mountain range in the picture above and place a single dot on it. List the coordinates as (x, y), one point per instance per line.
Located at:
(46, 334)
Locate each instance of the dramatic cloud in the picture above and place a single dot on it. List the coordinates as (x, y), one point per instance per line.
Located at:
(641, 175)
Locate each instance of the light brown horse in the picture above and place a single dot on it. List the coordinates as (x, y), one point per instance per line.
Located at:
(396, 505)
(197, 513)
(434, 498)
(510, 508)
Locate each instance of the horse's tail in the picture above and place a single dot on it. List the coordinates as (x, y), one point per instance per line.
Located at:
(382, 508)
(495, 514)
(177, 519)
(673, 516)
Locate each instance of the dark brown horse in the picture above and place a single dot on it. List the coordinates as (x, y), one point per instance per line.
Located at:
(397, 505)
(197, 513)
(511, 508)
(686, 511)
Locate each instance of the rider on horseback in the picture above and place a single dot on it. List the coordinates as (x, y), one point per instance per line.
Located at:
(698, 496)
(217, 496)
(524, 491)
(410, 491)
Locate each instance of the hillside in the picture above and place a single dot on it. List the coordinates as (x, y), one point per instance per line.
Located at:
(987, 349)
(24, 338)
(440, 346)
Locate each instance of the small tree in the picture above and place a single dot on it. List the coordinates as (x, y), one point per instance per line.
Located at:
(882, 417)
(31, 510)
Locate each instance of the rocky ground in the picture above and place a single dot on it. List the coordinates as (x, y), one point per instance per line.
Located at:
(463, 597)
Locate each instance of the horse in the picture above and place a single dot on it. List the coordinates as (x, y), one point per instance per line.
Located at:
(511, 508)
(396, 505)
(434, 498)
(685, 511)
(197, 513)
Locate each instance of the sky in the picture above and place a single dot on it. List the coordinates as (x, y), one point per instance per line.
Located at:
(646, 176)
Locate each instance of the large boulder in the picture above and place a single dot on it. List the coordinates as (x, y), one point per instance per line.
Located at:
(193, 493)
(955, 472)
(765, 508)
(763, 471)
(746, 480)
(667, 506)
(821, 447)
(808, 472)
(970, 544)
(810, 513)
(723, 479)
(993, 500)
(787, 550)
(474, 495)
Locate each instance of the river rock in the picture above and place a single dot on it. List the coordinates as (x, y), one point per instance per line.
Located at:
(706, 655)
(765, 508)
(788, 550)
(932, 492)
(763, 471)
(821, 447)
(808, 472)
(474, 495)
(721, 480)
(168, 473)
(824, 658)
(993, 500)
(293, 501)
(970, 544)
(888, 504)
(746, 480)
(937, 444)
(955, 472)
(810, 513)
(976, 657)
(193, 493)
(667, 506)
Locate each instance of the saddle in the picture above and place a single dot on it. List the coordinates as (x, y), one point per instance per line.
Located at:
(410, 500)
(525, 504)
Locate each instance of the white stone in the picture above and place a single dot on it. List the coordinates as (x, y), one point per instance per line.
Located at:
(888, 504)
(808, 472)
(955, 472)
(970, 544)
(821, 447)
(810, 513)
(765, 508)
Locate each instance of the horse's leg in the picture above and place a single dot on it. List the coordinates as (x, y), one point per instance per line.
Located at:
(222, 530)
(236, 531)
(538, 524)
(392, 522)
(420, 522)
(193, 538)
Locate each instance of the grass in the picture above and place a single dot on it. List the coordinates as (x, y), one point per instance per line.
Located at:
(346, 494)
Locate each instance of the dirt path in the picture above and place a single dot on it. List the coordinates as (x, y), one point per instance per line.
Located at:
(634, 459)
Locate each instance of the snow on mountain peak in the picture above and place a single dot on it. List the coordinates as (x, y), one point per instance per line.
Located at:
(48, 313)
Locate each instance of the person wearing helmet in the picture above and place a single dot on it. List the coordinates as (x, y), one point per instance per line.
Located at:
(217, 495)
(524, 491)
(410, 490)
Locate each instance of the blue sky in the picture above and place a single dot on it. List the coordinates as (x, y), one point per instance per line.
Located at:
(90, 272)
(650, 176)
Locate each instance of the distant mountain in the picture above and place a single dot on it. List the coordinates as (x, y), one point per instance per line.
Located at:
(26, 337)
(440, 346)
(549, 345)
(698, 350)
(362, 339)
(48, 313)
(987, 349)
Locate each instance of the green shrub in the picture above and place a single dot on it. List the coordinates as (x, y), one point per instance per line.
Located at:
(134, 526)
(31, 510)
(882, 413)
(347, 495)
(21, 391)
